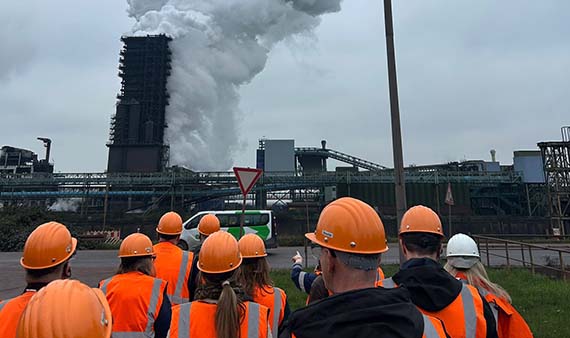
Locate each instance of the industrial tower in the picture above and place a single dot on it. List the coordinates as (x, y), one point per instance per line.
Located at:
(136, 142)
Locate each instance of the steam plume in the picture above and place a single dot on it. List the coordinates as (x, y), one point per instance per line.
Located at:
(218, 45)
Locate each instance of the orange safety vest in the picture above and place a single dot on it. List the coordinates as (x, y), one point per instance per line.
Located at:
(275, 300)
(463, 318)
(510, 324)
(10, 312)
(433, 327)
(379, 276)
(197, 319)
(174, 265)
(135, 300)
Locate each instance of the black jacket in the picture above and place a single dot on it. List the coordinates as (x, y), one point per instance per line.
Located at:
(366, 313)
(433, 289)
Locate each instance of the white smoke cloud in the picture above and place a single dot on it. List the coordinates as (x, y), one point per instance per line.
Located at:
(218, 46)
(65, 204)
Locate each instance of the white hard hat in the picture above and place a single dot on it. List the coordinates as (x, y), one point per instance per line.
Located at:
(462, 245)
(462, 251)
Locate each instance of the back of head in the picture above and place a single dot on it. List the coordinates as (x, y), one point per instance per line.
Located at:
(218, 259)
(170, 224)
(49, 245)
(421, 231)
(66, 308)
(208, 225)
(254, 270)
(353, 233)
(136, 252)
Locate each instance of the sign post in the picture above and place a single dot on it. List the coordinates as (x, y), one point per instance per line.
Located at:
(246, 178)
(449, 201)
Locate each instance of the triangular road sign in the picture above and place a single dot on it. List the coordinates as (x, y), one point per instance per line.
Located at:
(449, 196)
(246, 178)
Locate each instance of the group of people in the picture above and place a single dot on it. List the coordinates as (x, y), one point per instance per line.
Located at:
(223, 289)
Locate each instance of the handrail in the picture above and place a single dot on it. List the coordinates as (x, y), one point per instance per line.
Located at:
(507, 244)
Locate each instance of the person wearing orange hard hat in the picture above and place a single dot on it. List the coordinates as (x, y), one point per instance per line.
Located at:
(172, 263)
(46, 257)
(220, 309)
(66, 308)
(138, 300)
(208, 224)
(253, 275)
(464, 263)
(461, 308)
(351, 239)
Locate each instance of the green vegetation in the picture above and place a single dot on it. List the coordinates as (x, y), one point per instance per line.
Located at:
(543, 302)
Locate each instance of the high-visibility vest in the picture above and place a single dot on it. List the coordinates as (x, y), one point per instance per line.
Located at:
(463, 318)
(197, 319)
(10, 312)
(379, 276)
(433, 328)
(174, 266)
(509, 323)
(274, 299)
(135, 300)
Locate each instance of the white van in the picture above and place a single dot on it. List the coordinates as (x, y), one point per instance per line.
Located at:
(260, 222)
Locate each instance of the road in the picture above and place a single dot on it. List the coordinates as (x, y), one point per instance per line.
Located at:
(94, 265)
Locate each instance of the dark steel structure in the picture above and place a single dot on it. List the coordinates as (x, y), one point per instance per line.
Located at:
(136, 141)
(556, 159)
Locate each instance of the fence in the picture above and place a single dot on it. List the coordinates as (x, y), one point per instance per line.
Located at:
(528, 258)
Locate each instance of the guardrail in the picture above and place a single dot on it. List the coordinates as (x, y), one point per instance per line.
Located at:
(528, 256)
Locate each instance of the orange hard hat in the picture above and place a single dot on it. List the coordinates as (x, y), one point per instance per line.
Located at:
(350, 225)
(208, 224)
(170, 224)
(136, 244)
(421, 219)
(219, 253)
(66, 308)
(251, 246)
(48, 245)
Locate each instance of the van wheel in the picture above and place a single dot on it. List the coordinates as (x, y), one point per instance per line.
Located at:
(183, 245)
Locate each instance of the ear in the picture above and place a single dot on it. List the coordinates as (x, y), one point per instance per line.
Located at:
(440, 251)
(404, 249)
(66, 271)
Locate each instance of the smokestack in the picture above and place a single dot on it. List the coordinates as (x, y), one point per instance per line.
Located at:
(493, 153)
(47, 144)
(217, 46)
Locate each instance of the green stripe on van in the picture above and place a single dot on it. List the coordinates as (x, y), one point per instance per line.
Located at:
(261, 230)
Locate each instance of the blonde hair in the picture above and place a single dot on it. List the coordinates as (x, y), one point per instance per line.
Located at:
(254, 273)
(477, 276)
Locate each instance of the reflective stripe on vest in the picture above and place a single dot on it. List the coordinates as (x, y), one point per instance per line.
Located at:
(470, 316)
(429, 329)
(149, 330)
(105, 284)
(253, 321)
(3, 303)
(388, 283)
(302, 281)
(276, 310)
(184, 320)
(177, 296)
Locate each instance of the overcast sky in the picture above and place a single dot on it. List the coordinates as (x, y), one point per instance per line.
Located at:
(473, 76)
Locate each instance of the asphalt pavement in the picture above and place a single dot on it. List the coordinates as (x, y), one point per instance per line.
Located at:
(94, 265)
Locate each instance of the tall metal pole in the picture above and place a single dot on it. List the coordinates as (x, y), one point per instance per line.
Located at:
(400, 186)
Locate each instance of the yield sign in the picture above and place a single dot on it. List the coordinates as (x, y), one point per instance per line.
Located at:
(449, 196)
(246, 178)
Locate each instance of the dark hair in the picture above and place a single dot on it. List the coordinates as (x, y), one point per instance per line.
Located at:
(167, 237)
(230, 310)
(142, 264)
(421, 242)
(254, 273)
(39, 273)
